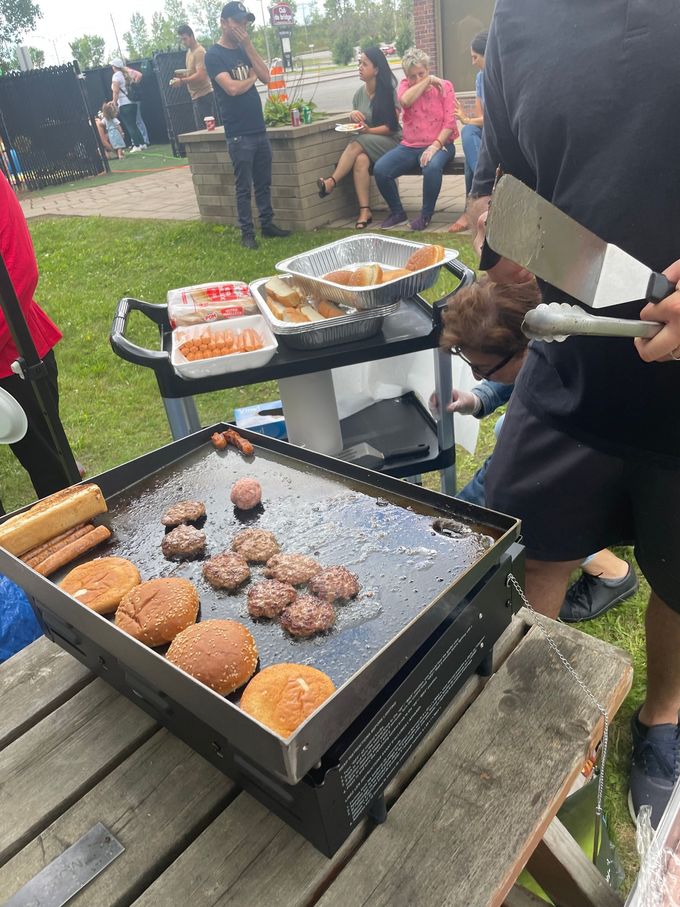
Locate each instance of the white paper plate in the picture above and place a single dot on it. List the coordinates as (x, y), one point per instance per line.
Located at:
(13, 421)
(348, 127)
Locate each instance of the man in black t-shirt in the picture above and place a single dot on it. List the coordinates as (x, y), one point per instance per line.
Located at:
(235, 66)
(578, 104)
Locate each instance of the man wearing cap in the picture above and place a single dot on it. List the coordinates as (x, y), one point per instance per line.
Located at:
(234, 66)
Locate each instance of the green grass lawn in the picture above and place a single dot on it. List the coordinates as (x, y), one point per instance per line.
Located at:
(112, 410)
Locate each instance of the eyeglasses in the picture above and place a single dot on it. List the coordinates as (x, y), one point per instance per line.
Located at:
(476, 371)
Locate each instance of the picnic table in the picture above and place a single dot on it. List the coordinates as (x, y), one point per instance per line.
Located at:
(475, 802)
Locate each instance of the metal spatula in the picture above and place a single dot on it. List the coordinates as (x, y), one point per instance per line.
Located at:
(535, 234)
(557, 321)
(370, 457)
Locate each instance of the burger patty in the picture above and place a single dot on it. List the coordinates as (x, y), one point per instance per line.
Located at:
(183, 512)
(334, 584)
(269, 598)
(226, 571)
(308, 615)
(255, 545)
(183, 543)
(295, 569)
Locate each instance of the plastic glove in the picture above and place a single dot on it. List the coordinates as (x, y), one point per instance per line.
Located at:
(463, 402)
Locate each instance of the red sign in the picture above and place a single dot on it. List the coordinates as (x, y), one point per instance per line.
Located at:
(281, 14)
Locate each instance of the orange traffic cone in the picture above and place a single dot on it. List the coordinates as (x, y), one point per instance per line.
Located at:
(277, 84)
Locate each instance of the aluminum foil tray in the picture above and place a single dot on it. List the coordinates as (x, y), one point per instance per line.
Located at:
(317, 334)
(369, 248)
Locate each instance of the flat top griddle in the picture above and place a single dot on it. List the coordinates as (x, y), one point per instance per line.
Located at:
(401, 561)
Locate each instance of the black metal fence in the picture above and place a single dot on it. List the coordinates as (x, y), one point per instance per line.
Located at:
(179, 114)
(46, 134)
(98, 90)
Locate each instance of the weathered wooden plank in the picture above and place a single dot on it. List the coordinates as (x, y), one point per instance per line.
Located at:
(55, 762)
(518, 896)
(249, 856)
(562, 869)
(156, 802)
(465, 827)
(34, 682)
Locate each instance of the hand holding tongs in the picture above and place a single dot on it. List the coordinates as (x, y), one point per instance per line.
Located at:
(557, 321)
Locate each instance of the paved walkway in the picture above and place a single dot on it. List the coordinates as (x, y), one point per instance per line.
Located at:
(169, 195)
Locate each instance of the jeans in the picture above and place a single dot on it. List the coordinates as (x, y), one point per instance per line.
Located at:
(141, 125)
(251, 156)
(471, 139)
(475, 492)
(128, 117)
(401, 160)
(204, 107)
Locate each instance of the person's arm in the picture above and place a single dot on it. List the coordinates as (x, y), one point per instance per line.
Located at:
(115, 90)
(660, 347)
(409, 96)
(491, 394)
(235, 87)
(447, 127)
(17, 251)
(260, 68)
(476, 120)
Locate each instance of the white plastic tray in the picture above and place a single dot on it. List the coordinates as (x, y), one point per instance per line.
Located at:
(222, 365)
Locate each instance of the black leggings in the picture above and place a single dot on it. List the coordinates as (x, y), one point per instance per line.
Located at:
(128, 117)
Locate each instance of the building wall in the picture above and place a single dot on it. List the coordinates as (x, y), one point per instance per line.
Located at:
(425, 18)
(444, 29)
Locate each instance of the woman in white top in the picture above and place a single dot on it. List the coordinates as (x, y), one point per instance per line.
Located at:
(127, 109)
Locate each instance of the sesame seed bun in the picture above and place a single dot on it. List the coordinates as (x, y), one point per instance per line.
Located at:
(156, 611)
(220, 653)
(282, 696)
(102, 583)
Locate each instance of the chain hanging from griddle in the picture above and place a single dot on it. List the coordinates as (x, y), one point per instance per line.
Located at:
(512, 581)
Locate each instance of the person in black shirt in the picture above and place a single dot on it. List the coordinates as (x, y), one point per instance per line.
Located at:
(234, 67)
(589, 454)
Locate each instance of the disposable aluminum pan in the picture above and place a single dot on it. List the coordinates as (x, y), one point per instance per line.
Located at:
(369, 248)
(318, 334)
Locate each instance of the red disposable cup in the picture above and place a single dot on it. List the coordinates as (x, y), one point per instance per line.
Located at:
(209, 123)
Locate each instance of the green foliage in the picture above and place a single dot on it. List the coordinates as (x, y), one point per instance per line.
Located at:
(277, 113)
(205, 20)
(17, 17)
(88, 50)
(137, 39)
(404, 39)
(343, 49)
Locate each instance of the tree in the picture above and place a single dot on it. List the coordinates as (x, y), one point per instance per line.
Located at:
(137, 39)
(88, 50)
(176, 15)
(205, 19)
(16, 18)
(37, 58)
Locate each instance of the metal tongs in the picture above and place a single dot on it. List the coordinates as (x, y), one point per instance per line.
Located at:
(557, 321)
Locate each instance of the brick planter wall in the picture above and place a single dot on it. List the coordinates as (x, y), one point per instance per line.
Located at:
(300, 155)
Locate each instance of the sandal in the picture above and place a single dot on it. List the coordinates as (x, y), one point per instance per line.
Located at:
(321, 183)
(362, 224)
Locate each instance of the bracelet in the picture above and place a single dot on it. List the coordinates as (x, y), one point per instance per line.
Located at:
(439, 143)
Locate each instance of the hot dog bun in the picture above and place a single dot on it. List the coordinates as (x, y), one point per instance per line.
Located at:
(366, 276)
(342, 277)
(283, 292)
(50, 517)
(425, 256)
(396, 274)
(329, 310)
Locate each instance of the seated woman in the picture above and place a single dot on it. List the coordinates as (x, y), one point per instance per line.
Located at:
(471, 133)
(375, 110)
(429, 130)
(483, 325)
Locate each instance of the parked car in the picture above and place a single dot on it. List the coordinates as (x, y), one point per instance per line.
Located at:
(388, 49)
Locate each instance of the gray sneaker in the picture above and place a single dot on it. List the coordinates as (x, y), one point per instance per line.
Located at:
(591, 596)
(655, 767)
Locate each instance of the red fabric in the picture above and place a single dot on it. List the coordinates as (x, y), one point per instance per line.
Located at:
(17, 251)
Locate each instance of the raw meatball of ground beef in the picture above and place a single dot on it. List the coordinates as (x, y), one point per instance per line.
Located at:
(255, 545)
(269, 598)
(334, 584)
(183, 543)
(308, 615)
(226, 571)
(246, 494)
(295, 569)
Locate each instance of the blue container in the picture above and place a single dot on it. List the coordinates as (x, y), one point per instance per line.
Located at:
(267, 418)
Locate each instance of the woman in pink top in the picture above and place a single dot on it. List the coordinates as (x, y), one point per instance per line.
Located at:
(429, 129)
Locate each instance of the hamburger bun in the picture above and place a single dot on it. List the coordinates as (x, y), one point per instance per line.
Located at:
(282, 696)
(342, 277)
(366, 276)
(220, 653)
(424, 257)
(156, 611)
(395, 274)
(102, 583)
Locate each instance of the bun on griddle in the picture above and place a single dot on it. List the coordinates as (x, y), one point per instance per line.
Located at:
(156, 611)
(425, 256)
(102, 583)
(282, 696)
(220, 653)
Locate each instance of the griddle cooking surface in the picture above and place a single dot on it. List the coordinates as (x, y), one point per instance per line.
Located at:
(401, 562)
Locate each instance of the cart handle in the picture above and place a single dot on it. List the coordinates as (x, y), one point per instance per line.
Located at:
(125, 348)
(466, 276)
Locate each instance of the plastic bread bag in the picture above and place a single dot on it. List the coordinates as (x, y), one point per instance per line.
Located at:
(210, 302)
(658, 882)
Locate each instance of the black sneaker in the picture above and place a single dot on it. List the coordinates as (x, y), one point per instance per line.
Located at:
(655, 767)
(273, 230)
(248, 241)
(591, 596)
